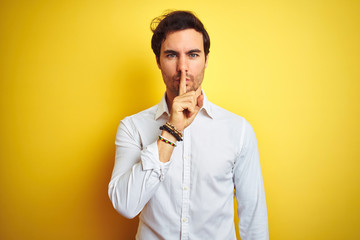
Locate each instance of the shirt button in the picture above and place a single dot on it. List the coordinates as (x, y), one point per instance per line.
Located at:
(184, 220)
(186, 188)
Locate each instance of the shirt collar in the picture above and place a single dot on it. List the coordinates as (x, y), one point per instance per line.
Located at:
(162, 107)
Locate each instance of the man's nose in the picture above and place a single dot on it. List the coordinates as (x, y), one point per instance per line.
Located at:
(182, 64)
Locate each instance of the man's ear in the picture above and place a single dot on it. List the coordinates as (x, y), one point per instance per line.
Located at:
(206, 60)
(158, 62)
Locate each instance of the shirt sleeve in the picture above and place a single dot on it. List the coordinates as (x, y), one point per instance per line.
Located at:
(137, 171)
(249, 189)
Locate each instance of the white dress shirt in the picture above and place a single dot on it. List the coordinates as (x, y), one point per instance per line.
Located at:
(191, 196)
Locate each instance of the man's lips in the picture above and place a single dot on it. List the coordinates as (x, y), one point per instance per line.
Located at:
(178, 80)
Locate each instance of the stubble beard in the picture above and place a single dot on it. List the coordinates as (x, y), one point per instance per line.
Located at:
(196, 83)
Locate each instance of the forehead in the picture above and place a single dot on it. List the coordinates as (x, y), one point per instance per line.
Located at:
(183, 40)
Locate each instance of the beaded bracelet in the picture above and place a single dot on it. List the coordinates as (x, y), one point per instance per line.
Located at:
(167, 141)
(169, 130)
(174, 129)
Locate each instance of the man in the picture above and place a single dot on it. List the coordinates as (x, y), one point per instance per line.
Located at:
(182, 176)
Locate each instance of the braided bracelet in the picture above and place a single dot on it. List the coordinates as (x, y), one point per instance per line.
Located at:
(169, 130)
(172, 127)
(167, 141)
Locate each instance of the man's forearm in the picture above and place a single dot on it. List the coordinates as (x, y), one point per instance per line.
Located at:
(165, 149)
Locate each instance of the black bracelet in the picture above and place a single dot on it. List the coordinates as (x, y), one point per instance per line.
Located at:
(169, 130)
(174, 129)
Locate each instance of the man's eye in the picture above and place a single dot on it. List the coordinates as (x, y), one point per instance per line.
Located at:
(194, 55)
(171, 55)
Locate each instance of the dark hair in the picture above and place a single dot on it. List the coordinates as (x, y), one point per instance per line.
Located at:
(175, 21)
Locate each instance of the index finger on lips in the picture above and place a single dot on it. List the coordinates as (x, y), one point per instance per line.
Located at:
(182, 86)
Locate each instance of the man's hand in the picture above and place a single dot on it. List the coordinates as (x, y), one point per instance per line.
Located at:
(185, 106)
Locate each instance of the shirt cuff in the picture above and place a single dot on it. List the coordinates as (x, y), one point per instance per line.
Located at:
(150, 160)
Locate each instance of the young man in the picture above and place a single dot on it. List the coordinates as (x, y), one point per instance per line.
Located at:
(179, 162)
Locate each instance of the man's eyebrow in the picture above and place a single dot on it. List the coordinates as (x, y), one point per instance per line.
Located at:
(194, 51)
(170, 51)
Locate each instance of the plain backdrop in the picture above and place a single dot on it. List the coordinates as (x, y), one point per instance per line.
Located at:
(71, 70)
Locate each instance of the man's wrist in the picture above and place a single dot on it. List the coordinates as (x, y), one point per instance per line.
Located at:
(168, 135)
(172, 130)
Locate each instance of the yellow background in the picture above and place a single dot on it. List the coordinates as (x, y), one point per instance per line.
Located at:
(71, 70)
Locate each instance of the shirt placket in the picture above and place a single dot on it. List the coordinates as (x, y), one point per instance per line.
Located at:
(186, 186)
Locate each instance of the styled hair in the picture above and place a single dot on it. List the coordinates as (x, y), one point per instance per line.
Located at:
(172, 22)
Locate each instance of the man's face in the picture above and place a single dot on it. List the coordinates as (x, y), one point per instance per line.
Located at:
(182, 51)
